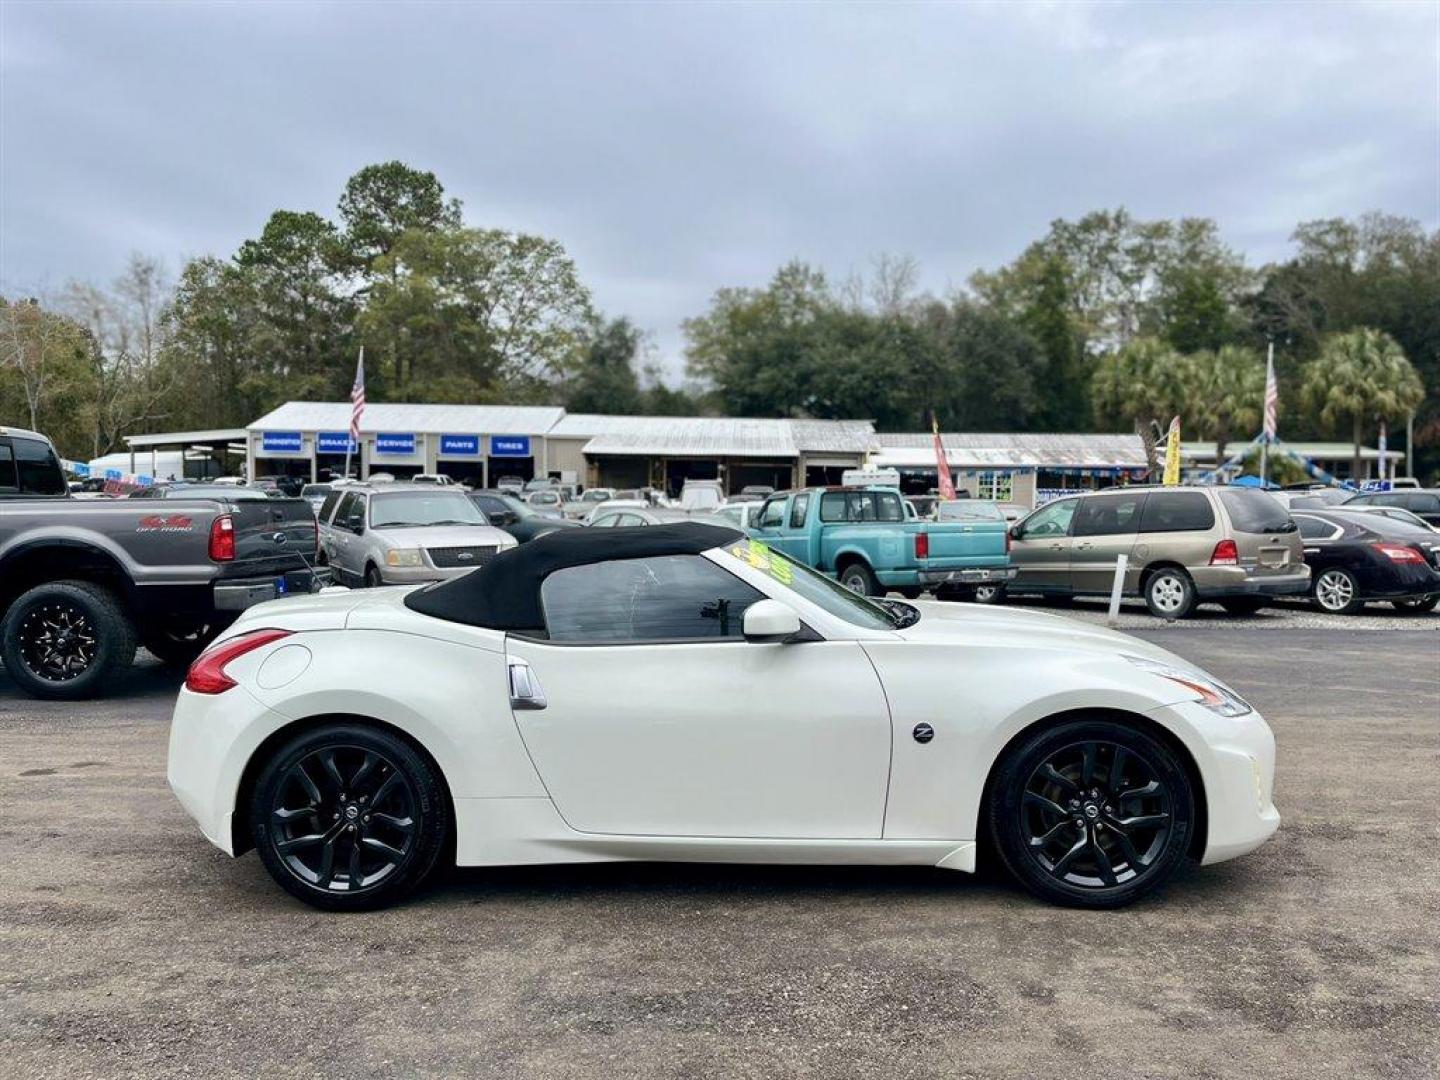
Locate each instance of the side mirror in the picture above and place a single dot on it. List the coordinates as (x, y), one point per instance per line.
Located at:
(509, 517)
(770, 621)
(1016, 532)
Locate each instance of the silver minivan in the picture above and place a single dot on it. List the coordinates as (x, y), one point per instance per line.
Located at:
(1185, 545)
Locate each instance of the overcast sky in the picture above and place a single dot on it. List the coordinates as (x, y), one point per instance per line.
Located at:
(677, 148)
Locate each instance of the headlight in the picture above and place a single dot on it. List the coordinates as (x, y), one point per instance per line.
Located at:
(403, 557)
(1215, 696)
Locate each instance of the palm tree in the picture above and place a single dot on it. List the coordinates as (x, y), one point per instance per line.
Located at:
(1142, 383)
(1231, 393)
(1361, 375)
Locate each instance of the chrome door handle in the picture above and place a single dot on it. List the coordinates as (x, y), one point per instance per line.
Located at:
(525, 691)
(1086, 546)
(1056, 547)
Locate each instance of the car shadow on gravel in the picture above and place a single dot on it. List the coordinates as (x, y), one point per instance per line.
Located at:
(148, 678)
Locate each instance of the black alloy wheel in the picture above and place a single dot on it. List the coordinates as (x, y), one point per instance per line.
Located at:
(66, 639)
(349, 817)
(178, 646)
(1092, 814)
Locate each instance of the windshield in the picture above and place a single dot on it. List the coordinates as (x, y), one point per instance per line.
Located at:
(401, 508)
(597, 495)
(970, 510)
(814, 586)
(1252, 511)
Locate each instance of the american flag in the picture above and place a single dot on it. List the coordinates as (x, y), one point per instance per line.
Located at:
(357, 397)
(944, 482)
(1272, 396)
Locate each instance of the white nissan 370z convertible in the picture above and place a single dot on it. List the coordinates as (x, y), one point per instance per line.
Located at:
(679, 692)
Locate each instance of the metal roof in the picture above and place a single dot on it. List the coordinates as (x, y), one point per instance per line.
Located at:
(400, 416)
(185, 438)
(1324, 451)
(1012, 449)
(713, 436)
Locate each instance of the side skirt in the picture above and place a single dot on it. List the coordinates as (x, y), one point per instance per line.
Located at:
(521, 831)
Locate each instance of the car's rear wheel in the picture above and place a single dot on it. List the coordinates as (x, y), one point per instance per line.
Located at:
(1337, 592)
(989, 594)
(1417, 607)
(857, 577)
(1091, 813)
(1169, 593)
(349, 817)
(1243, 605)
(66, 639)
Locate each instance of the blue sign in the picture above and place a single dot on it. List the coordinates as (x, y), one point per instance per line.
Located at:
(390, 442)
(335, 442)
(459, 444)
(509, 445)
(145, 481)
(1376, 485)
(281, 442)
(113, 474)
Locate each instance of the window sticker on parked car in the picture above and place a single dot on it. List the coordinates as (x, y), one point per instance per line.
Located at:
(763, 559)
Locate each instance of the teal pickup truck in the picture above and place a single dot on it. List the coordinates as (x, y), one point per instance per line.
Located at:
(862, 536)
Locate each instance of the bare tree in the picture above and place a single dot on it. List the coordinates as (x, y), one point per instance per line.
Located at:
(893, 282)
(126, 327)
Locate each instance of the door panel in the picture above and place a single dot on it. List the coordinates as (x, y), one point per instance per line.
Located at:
(1042, 550)
(710, 739)
(1104, 529)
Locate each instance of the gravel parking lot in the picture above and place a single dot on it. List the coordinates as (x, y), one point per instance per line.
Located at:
(129, 947)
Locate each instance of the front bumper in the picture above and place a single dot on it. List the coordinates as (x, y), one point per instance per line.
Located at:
(1215, 582)
(1236, 758)
(418, 575)
(241, 593)
(970, 575)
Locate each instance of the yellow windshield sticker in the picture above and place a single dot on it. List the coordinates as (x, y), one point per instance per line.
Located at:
(763, 559)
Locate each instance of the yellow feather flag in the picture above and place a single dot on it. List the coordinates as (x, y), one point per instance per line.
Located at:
(1172, 453)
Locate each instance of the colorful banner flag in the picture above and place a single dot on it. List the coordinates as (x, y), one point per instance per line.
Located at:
(945, 483)
(1172, 453)
(1272, 396)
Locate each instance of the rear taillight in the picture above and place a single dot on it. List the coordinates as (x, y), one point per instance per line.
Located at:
(1399, 553)
(922, 545)
(1225, 554)
(222, 538)
(207, 673)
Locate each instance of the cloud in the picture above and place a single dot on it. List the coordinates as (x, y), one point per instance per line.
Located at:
(675, 149)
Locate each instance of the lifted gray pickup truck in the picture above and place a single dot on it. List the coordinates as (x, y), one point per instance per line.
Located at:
(84, 581)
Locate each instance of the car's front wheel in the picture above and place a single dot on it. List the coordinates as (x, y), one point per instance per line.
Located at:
(1091, 813)
(349, 817)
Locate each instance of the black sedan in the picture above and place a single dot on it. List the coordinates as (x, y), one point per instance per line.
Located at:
(520, 520)
(1356, 558)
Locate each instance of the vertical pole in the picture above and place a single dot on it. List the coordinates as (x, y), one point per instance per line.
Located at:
(1410, 445)
(1265, 442)
(1121, 561)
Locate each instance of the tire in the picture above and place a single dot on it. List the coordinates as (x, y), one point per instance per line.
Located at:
(911, 594)
(1101, 850)
(373, 580)
(96, 644)
(394, 860)
(178, 646)
(989, 594)
(1169, 593)
(1336, 592)
(1417, 607)
(1244, 605)
(857, 577)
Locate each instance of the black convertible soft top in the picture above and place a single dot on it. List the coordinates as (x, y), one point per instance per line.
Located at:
(504, 594)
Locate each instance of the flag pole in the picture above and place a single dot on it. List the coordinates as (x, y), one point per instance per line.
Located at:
(357, 405)
(1265, 443)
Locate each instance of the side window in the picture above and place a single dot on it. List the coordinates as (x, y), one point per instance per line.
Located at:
(9, 485)
(832, 506)
(328, 506)
(1423, 503)
(772, 514)
(667, 598)
(630, 520)
(798, 509)
(606, 521)
(1176, 511)
(1313, 528)
(38, 468)
(351, 514)
(491, 505)
(1052, 520)
(1108, 515)
(888, 507)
